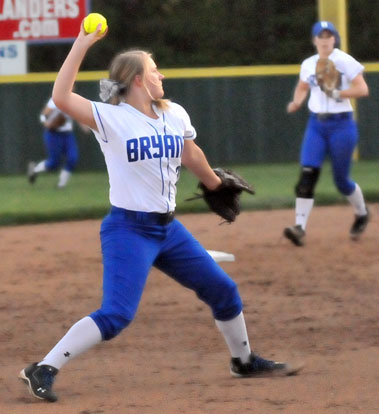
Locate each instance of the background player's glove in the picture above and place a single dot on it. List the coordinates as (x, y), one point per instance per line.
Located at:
(52, 119)
(225, 200)
(328, 77)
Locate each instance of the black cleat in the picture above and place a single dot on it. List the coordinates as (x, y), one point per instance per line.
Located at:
(30, 172)
(39, 380)
(359, 225)
(296, 234)
(259, 367)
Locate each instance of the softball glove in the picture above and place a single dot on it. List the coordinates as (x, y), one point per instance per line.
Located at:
(328, 78)
(225, 200)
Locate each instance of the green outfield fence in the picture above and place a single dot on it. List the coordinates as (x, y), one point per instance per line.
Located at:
(239, 114)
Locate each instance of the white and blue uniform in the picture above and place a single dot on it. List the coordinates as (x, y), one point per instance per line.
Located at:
(60, 143)
(331, 129)
(143, 158)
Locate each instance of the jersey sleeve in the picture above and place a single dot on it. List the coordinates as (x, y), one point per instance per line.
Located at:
(306, 71)
(99, 110)
(50, 104)
(351, 67)
(189, 130)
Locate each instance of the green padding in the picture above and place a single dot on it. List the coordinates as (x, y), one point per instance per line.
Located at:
(238, 120)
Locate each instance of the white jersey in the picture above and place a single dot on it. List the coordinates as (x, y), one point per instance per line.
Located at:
(319, 102)
(142, 154)
(68, 125)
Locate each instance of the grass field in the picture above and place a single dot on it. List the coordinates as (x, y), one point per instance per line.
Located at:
(86, 196)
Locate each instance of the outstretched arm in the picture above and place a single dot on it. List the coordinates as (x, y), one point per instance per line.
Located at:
(74, 105)
(194, 159)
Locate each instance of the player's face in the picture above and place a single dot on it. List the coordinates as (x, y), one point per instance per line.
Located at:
(324, 42)
(153, 79)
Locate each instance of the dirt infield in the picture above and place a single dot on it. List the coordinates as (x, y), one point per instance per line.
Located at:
(317, 304)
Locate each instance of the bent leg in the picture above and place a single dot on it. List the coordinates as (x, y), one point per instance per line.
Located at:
(186, 261)
(343, 139)
(312, 156)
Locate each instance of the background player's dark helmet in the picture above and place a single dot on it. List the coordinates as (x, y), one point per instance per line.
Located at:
(323, 25)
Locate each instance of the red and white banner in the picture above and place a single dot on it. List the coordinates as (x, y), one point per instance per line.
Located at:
(41, 20)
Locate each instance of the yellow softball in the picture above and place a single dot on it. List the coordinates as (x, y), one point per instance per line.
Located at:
(93, 20)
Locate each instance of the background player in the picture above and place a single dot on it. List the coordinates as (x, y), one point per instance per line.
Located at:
(331, 130)
(144, 140)
(60, 143)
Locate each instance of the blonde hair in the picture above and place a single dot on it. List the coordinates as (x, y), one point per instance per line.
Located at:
(123, 70)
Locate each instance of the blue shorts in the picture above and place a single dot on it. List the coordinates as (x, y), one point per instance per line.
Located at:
(336, 137)
(133, 242)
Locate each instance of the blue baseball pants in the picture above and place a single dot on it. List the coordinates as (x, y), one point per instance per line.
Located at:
(60, 145)
(132, 244)
(337, 138)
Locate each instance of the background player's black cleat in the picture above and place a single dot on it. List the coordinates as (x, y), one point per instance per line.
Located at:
(31, 174)
(39, 380)
(296, 234)
(359, 225)
(259, 367)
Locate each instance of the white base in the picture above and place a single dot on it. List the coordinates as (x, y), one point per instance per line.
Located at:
(221, 256)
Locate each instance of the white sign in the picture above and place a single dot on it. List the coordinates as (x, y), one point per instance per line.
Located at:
(13, 57)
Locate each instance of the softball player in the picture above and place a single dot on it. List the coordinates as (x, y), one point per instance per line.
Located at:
(331, 130)
(60, 142)
(144, 140)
